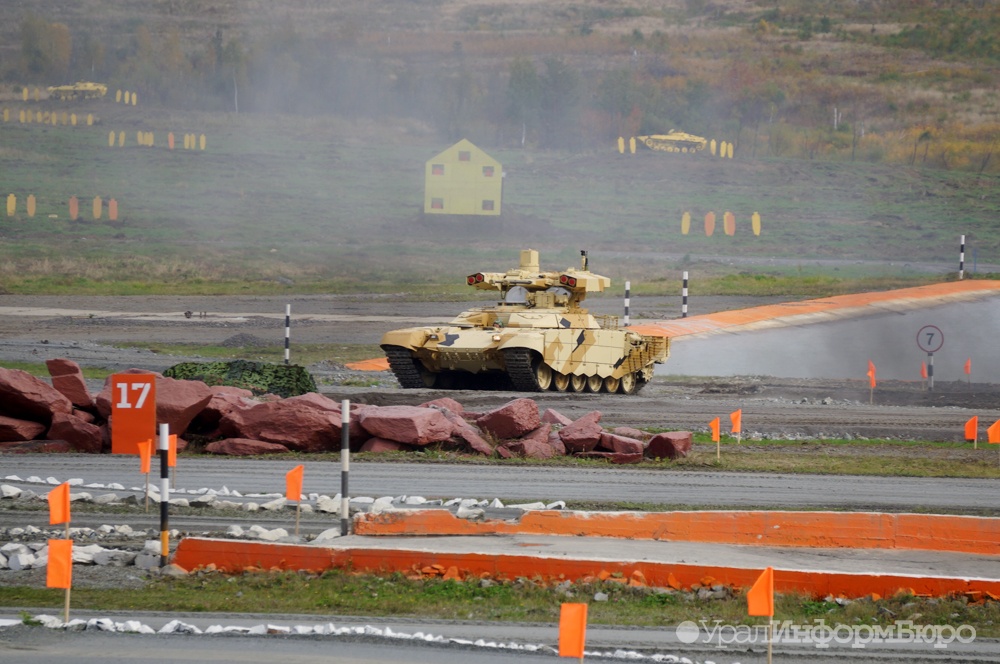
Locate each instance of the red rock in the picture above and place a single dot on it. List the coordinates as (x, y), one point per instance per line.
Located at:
(467, 433)
(177, 401)
(671, 445)
(406, 424)
(583, 434)
(68, 379)
(84, 415)
(230, 389)
(541, 434)
(613, 457)
(220, 405)
(377, 445)
(15, 430)
(555, 417)
(26, 397)
(244, 447)
(555, 442)
(531, 448)
(37, 447)
(445, 402)
(620, 444)
(82, 436)
(504, 452)
(512, 420)
(317, 400)
(630, 432)
(296, 425)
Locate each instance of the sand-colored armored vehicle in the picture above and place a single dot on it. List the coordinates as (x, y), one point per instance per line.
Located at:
(79, 90)
(675, 141)
(536, 338)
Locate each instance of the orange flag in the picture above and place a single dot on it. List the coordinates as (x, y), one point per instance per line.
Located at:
(871, 374)
(293, 483)
(145, 455)
(972, 428)
(59, 504)
(760, 598)
(993, 433)
(923, 370)
(572, 630)
(968, 367)
(172, 451)
(714, 426)
(60, 567)
(737, 419)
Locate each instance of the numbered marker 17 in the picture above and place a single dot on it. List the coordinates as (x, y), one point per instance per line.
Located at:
(133, 411)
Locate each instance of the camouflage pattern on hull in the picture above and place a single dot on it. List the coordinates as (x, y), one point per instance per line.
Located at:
(537, 338)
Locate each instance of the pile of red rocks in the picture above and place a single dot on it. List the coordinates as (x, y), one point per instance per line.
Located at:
(65, 417)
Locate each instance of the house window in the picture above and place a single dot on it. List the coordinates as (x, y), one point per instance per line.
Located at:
(437, 169)
(487, 171)
(487, 205)
(464, 155)
(437, 203)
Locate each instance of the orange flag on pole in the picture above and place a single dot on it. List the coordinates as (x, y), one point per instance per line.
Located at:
(871, 374)
(59, 504)
(968, 367)
(760, 598)
(972, 428)
(172, 451)
(145, 455)
(714, 426)
(923, 370)
(59, 573)
(737, 418)
(572, 630)
(293, 483)
(993, 433)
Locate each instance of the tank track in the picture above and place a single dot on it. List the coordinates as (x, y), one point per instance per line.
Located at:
(404, 367)
(520, 369)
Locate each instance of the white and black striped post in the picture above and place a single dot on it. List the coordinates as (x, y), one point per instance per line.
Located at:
(164, 450)
(288, 330)
(628, 288)
(684, 296)
(961, 259)
(345, 463)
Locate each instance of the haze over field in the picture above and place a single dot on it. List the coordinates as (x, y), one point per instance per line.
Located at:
(859, 133)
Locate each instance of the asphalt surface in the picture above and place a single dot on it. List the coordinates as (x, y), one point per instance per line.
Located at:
(513, 484)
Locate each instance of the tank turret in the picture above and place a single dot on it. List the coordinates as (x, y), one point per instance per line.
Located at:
(537, 337)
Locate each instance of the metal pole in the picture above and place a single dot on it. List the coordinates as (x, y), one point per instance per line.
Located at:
(684, 296)
(628, 288)
(961, 260)
(345, 463)
(164, 493)
(288, 329)
(930, 372)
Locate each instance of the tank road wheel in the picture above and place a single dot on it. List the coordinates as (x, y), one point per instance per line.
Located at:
(628, 384)
(543, 375)
(560, 382)
(611, 384)
(577, 383)
(594, 384)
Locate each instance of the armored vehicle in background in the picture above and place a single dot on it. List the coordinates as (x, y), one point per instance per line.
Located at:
(79, 90)
(675, 141)
(536, 338)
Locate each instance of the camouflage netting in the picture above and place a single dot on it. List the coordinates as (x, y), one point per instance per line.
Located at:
(258, 377)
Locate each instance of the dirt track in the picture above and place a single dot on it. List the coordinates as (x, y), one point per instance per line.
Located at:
(83, 329)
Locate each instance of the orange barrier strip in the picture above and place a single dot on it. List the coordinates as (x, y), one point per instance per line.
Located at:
(908, 297)
(859, 530)
(235, 556)
(373, 364)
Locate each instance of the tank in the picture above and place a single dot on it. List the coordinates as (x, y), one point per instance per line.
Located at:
(79, 90)
(675, 141)
(537, 337)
